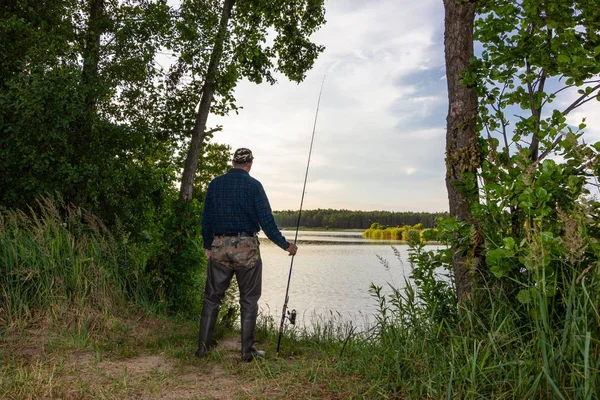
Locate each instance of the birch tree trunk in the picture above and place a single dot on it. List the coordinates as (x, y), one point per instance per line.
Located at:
(208, 90)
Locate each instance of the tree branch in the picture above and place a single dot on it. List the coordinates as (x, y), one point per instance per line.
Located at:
(552, 147)
(213, 130)
(580, 100)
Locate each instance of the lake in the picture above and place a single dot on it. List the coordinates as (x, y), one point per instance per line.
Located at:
(331, 276)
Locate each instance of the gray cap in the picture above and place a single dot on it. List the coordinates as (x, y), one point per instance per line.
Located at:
(242, 156)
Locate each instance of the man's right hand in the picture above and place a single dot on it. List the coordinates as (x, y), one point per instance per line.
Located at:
(292, 249)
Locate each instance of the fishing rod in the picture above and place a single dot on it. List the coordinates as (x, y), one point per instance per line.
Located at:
(284, 313)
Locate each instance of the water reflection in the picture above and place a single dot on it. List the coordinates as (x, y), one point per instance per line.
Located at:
(331, 276)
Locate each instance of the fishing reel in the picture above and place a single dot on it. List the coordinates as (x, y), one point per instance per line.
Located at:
(291, 316)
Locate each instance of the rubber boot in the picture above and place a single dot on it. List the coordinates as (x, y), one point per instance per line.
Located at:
(207, 326)
(249, 352)
(217, 282)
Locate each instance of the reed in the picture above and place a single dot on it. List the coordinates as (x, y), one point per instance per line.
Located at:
(541, 350)
(55, 262)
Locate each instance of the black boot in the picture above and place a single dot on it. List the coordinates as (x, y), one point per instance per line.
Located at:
(249, 352)
(207, 326)
(217, 282)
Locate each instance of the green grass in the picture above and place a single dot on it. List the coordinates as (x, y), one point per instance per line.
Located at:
(492, 355)
(76, 322)
(499, 352)
(62, 264)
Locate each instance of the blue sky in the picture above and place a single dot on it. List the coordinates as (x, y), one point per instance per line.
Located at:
(380, 136)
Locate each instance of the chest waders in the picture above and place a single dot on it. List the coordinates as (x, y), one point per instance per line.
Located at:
(232, 255)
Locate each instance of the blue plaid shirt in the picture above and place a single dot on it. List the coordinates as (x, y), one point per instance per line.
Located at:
(236, 202)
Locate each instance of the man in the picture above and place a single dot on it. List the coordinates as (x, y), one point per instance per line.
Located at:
(235, 209)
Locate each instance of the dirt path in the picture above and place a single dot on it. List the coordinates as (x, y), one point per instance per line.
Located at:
(159, 376)
(153, 360)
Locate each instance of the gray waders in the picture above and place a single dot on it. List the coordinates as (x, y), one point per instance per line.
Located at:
(250, 285)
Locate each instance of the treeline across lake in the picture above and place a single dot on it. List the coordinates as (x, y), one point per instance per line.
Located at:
(347, 219)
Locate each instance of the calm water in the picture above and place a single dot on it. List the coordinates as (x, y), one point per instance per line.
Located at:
(332, 273)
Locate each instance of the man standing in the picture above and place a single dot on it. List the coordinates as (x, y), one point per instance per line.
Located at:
(235, 209)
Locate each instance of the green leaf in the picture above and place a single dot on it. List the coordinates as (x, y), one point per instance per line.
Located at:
(550, 290)
(509, 242)
(525, 296)
(541, 193)
(498, 271)
(495, 257)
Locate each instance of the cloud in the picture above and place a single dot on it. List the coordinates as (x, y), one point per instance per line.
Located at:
(590, 114)
(379, 140)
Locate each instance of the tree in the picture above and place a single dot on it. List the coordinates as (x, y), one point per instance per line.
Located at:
(239, 51)
(80, 107)
(526, 47)
(208, 90)
(540, 61)
(462, 147)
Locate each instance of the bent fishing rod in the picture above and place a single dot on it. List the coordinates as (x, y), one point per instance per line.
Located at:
(284, 313)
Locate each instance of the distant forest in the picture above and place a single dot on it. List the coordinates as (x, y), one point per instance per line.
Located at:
(346, 219)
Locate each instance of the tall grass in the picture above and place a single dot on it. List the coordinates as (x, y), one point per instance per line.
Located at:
(55, 260)
(540, 350)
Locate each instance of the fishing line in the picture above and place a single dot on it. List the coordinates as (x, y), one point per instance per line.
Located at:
(292, 316)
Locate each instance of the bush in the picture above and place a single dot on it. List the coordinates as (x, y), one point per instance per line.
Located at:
(177, 269)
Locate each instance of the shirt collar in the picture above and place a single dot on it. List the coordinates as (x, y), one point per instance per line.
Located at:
(237, 171)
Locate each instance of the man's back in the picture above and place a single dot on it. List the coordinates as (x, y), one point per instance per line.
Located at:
(236, 202)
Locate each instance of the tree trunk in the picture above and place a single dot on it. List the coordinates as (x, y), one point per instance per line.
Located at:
(90, 77)
(462, 150)
(91, 52)
(208, 90)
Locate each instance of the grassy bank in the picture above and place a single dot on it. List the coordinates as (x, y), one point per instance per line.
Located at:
(78, 321)
(491, 356)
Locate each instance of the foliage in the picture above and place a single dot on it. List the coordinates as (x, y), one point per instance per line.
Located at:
(177, 267)
(178, 264)
(80, 121)
(537, 216)
(88, 113)
(408, 233)
(238, 49)
(214, 162)
(247, 52)
(495, 352)
(533, 329)
(430, 274)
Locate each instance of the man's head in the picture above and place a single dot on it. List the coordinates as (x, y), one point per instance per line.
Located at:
(242, 158)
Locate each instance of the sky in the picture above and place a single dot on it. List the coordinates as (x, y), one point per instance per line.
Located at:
(380, 134)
